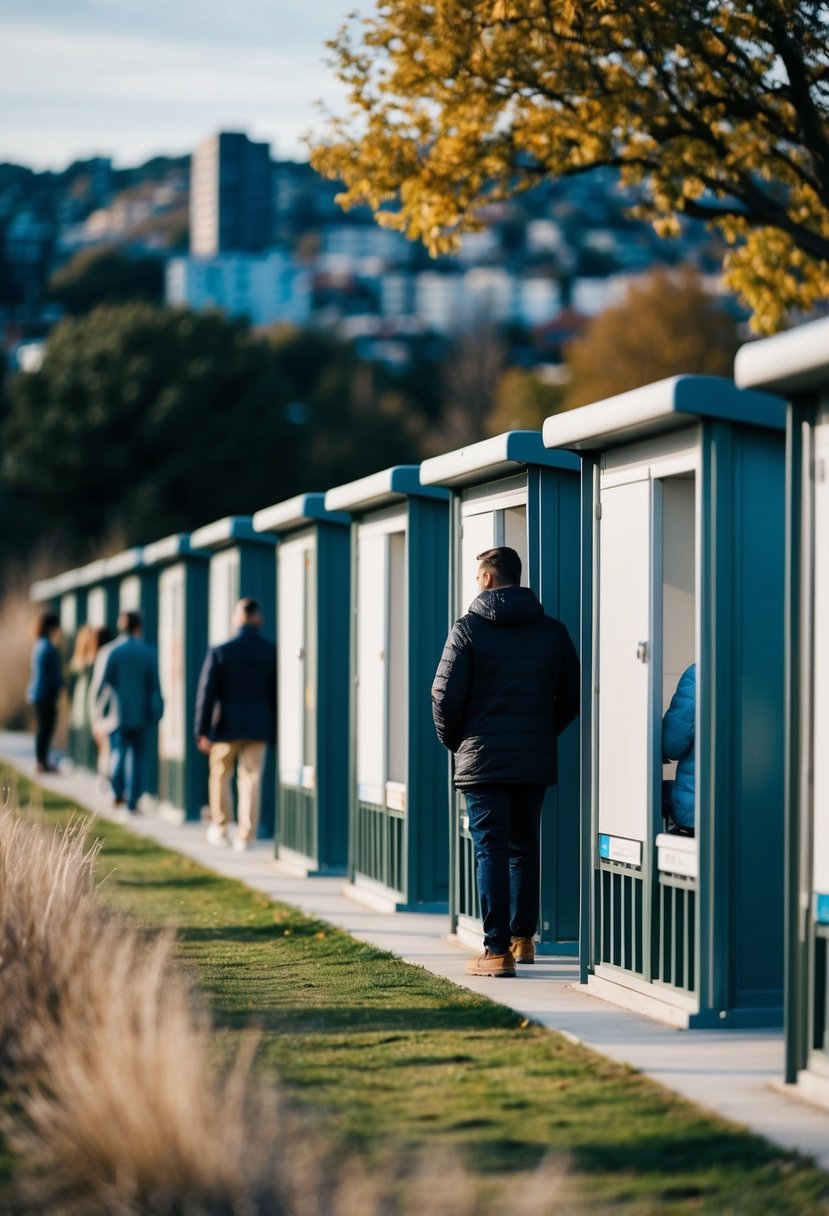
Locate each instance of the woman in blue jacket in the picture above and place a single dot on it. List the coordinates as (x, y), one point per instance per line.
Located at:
(678, 744)
(45, 685)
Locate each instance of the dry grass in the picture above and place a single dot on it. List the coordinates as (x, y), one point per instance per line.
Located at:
(112, 1106)
(16, 616)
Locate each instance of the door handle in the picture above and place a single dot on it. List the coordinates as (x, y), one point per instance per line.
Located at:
(642, 652)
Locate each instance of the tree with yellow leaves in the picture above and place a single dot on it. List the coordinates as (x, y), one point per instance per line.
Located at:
(716, 109)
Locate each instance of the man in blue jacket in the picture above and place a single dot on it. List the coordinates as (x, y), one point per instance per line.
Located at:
(125, 678)
(506, 687)
(235, 721)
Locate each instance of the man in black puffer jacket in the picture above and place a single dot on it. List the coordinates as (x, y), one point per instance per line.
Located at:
(235, 721)
(506, 687)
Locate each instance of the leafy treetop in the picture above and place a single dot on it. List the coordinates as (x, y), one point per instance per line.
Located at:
(717, 108)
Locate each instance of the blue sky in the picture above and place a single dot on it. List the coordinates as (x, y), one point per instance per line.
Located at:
(80, 78)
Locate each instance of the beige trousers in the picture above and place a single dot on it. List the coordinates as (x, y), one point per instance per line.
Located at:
(245, 757)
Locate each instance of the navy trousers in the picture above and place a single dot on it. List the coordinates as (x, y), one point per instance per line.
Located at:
(504, 822)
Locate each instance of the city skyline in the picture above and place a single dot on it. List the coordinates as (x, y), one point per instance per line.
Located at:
(114, 78)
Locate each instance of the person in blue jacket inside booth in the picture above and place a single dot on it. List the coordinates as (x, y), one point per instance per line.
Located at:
(678, 727)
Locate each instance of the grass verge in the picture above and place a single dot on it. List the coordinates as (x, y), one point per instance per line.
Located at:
(392, 1060)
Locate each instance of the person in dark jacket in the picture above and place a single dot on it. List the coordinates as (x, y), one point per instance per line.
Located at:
(45, 685)
(235, 721)
(678, 728)
(506, 687)
(125, 695)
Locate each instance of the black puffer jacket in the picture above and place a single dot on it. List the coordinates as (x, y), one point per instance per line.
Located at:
(506, 686)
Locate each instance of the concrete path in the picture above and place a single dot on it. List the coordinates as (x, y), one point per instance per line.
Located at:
(736, 1074)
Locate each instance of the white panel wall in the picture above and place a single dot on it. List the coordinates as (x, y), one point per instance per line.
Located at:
(129, 594)
(291, 619)
(372, 623)
(224, 594)
(624, 624)
(96, 607)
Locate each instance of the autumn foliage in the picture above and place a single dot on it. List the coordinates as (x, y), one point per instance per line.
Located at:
(716, 110)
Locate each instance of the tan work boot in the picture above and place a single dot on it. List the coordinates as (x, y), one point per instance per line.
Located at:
(523, 950)
(500, 966)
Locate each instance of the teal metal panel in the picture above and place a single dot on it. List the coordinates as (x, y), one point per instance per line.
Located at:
(553, 514)
(799, 623)
(333, 619)
(589, 496)
(740, 749)
(195, 632)
(427, 835)
(257, 580)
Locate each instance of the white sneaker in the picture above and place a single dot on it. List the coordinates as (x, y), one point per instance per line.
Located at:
(217, 836)
(240, 845)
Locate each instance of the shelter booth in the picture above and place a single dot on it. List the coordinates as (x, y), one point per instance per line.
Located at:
(682, 563)
(796, 365)
(241, 564)
(182, 644)
(511, 490)
(313, 569)
(398, 838)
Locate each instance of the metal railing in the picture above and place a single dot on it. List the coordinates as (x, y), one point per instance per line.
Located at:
(675, 946)
(468, 903)
(297, 820)
(378, 851)
(619, 925)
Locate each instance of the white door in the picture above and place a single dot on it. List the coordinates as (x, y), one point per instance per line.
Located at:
(291, 661)
(623, 659)
(372, 626)
(223, 595)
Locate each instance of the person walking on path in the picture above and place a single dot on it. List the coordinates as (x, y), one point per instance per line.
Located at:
(45, 685)
(235, 721)
(126, 690)
(506, 686)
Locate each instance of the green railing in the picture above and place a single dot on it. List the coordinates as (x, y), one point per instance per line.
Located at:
(297, 820)
(468, 903)
(675, 949)
(619, 922)
(378, 845)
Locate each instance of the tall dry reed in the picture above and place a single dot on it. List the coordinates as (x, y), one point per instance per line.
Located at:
(115, 1109)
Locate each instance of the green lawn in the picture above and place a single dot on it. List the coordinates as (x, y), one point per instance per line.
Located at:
(392, 1059)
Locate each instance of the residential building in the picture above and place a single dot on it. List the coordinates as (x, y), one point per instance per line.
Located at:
(266, 288)
(231, 196)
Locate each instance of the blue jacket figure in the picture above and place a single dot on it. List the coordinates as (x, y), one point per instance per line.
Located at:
(235, 721)
(126, 676)
(678, 728)
(45, 685)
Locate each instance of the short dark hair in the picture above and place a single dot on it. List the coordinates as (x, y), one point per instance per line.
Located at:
(129, 622)
(249, 607)
(504, 564)
(45, 622)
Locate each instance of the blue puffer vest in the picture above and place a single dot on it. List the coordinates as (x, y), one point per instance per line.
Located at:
(678, 744)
